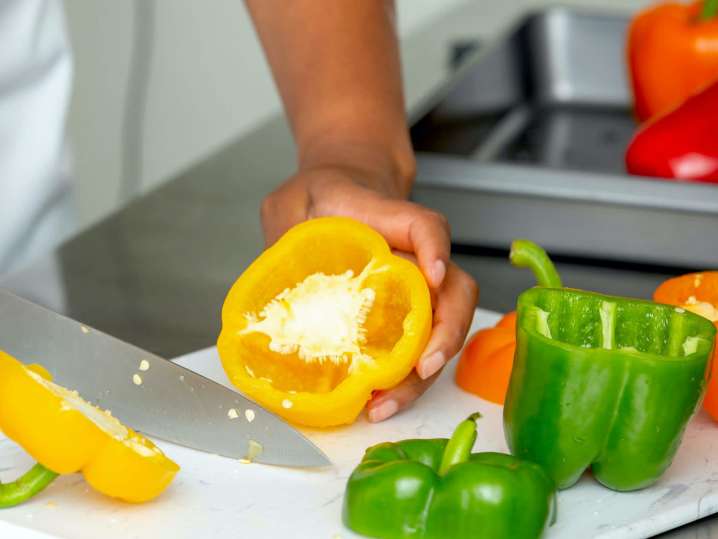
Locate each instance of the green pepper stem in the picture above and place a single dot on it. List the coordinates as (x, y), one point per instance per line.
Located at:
(458, 449)
(526, 254)
(710, 10)
(34, 481)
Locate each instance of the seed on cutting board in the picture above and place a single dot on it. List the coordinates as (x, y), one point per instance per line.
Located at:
(144, 365)
(254, 449)
(232, 413)
(249, 414)
(137, 379)
(84, 329)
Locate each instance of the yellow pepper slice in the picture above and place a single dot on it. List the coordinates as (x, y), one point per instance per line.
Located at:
(323, 318)
(67, 434)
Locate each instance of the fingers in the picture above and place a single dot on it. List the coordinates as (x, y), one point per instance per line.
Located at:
(455, 304)
(385, 404)
(414, 229)
(431, 241)
(405, 225)
(283, 209)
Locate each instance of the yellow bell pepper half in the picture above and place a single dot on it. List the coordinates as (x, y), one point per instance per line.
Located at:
(67, 434)
(323, 318)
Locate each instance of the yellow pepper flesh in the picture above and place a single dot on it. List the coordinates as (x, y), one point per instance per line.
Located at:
(67, 434)
(323, 318)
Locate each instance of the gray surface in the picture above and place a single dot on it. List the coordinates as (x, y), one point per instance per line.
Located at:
(156, 273)
(169, 402)
(552, 97)
(578, 58)
(581, 214)
(553, 56)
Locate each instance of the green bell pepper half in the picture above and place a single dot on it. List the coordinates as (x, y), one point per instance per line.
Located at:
(603, 382)
(436, 488)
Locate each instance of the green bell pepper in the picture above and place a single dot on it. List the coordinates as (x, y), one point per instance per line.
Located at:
(603, 382)
(436, 488)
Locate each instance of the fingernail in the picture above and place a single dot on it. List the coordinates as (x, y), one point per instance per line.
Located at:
(384, 411)
(431, 364)
(438, 272)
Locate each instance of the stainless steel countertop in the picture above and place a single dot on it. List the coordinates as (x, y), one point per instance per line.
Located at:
(156, 272)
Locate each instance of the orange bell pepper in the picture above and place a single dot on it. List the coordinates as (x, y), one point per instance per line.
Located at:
(485, 364)
(697, 292)
(672, 54)
(321, 319)
(67, 434)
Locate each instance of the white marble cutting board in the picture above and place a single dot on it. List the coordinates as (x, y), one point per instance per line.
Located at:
(221, 498)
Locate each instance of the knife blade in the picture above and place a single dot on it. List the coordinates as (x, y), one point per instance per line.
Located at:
(149, 393)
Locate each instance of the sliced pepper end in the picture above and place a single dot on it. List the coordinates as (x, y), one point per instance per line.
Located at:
(31, 483)
(311, 340)
(626, 355)
(67, 434)
(527, 254)
(459, 447)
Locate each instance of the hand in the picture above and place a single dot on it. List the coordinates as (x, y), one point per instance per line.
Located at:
(347, 191)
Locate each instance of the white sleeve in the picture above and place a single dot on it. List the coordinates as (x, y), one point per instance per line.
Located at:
(35, 85)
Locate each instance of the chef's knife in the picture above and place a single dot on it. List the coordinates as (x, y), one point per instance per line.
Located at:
(149, 393)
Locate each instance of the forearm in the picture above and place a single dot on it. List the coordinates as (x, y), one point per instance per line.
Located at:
(337, 68)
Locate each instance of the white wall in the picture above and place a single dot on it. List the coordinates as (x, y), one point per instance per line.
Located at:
(159, 84)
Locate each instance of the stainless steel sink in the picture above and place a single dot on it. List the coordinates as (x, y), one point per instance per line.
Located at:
(528, 138)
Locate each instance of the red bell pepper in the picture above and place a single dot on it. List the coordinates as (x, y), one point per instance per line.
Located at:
(682, 144)
(673, 53)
